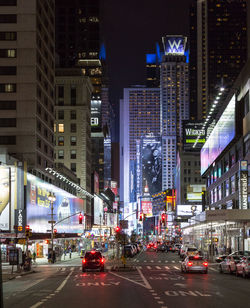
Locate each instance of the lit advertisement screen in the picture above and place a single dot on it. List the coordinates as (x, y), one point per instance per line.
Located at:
(186, 210)
(98, 210)
(174, 45)
(39, 207)
(222, 134)
(151, 164)
(96, 124)
(4, 198)
(191, 130)
(146, 207)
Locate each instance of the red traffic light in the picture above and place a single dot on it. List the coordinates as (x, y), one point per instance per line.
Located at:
(55, 230)
(163, 217)
(80, 218)
(140, 219)
(27, 228)
(117, 229)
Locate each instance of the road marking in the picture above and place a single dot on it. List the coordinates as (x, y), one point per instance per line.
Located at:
(160, 302)
(166, 267)
(166, 261)
(72, 268)
(140, 267)
(212, 269)
(137, 260)
(151, 290)
(125, 278)
(155, 294)
(159, 261)
(64, 282)
(176, 267)
(158, 267)
(173, 261)
(152, 261)
(148, 286)
(185, 293)
(145, 261)
(157, 297)
(149, 267)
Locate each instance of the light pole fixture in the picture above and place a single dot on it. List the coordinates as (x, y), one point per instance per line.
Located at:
(52, 199)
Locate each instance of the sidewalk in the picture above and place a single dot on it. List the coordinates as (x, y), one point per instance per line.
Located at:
(7, 269)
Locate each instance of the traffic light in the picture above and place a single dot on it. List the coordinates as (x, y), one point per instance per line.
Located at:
(27, 231)
(204, 197)
(55, 232)
(80, 218)
(141, 217)
(117, 229)
(163, 217)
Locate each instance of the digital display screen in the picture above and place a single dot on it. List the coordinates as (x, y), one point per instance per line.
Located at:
(39, 207)
(96, 124)
(191, 130)
(222, 134)
(187, 210)
(151, 165)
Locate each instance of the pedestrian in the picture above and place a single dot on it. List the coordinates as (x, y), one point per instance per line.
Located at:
(23, 259)
(34, 257)
(53, 257)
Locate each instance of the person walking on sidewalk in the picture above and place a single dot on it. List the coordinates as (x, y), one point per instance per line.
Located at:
(34, 257)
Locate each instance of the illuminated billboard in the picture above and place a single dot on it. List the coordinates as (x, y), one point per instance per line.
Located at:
(96, 116)
(39, 207)
(194, 192)
(98, 210)
(146, 207)
(191, 130)
(174, 44)
(188, 210)
(222, 134)
(151, 163)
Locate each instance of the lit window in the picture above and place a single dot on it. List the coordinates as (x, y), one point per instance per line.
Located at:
(61, 141)
(61, 128)
(60, 154)
(11, 53)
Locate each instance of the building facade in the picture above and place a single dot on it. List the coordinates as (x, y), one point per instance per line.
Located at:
(27, 61)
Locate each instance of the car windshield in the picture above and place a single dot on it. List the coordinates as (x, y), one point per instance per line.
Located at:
(196, 258)
(93, 255)
(192, 249)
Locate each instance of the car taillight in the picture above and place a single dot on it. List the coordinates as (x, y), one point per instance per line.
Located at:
(148, 246)
(102, 260)
(190, 263)
(205, 263)
(83, 260)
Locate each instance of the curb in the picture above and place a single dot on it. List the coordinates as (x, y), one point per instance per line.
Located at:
(19, 275)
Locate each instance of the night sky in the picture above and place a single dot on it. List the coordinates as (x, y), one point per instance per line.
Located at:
(130, 30)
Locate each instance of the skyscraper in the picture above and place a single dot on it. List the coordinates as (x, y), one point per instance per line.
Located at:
(139, 117)
(218, 50)
(174, 93)
(27, 82)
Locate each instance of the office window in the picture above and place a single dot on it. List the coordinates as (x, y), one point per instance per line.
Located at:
(7, 53)
(7, 105)
(60, 114)
(60, 140)
(73, 167)
(7, 87)
(60, 91)
(7, 140)
(73, 154)
(7, 2)
(8, 18)
(73, 127)
(73, 140)
(8, 36)
(61, 154)
(7, 70)
(61, 128)
(7, 122)
(73, 114)
(73, 96)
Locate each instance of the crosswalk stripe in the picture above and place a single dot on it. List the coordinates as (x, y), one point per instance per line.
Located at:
(137, 260)
(166, 261)
(63, 269)
(72, 268)
(173, 261)
(140, 267)
(159, 261)
(176, 267)
(166, 267)
(152, 261)
(158, 267)
(149, 267)
(212, 269)
(145, 261)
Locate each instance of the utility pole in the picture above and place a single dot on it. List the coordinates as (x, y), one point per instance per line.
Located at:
(52, 199)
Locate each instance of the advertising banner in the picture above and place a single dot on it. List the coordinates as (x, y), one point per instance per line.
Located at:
(187, 210)
(98, 211)
(191, 130)
(151, 164)
(243, 185)
(96, 124)
(39, 207)
(5, 197)
(146, 207)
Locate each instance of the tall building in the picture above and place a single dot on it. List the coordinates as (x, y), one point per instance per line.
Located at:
(139, 117)
(27, 82)
(218, 50)
(72, 125)
(153, 61)
(174, 93)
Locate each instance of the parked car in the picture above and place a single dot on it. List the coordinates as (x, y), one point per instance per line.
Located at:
(228, 265)
(161, 247)
(194, 264)
(243, 267)
(93, 260)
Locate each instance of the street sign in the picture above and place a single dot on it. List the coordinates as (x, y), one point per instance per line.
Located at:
(51, 221)
(48, 230)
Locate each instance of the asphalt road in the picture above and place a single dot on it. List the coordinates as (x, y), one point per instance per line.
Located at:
(156, 281)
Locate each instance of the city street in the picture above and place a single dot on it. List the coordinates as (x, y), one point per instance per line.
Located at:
(156, 281)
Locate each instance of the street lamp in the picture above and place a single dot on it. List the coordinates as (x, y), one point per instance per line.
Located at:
(193, 209)
(52, 199)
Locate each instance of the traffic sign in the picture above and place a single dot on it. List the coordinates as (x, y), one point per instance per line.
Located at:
(51, 221)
